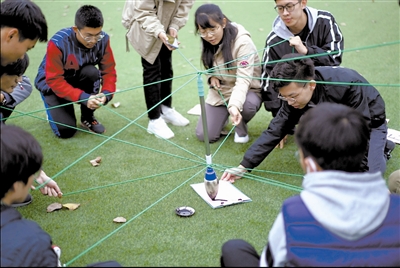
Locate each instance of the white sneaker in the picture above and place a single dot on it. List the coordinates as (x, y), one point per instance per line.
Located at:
(159, 128)
(171, 116)
(57, 250)
(238, 139)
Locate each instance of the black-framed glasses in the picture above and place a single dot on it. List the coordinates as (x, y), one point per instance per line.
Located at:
(96, 38)
(211, 32)
(289, 7)
(292, 99)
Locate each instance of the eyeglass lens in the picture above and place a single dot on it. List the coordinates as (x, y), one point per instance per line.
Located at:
(289, 8)
(90, 38)
(209, 32)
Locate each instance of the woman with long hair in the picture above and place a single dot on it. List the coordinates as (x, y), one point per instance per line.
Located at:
(233, 68)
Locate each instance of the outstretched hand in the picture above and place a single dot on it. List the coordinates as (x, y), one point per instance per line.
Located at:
(96, 101)
(282, 143)
(164, 38)
(236, 116)
(233, 174)
(51, 188)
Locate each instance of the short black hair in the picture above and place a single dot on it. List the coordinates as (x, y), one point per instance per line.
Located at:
(295, 67)
(336, 136)
(88, 16)
(17, 68)
(27, 17)
(21, 156)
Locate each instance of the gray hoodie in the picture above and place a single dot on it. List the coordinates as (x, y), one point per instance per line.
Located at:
(350, 205)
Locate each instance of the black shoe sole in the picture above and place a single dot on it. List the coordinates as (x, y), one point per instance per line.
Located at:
(389, 147)
(87, 128)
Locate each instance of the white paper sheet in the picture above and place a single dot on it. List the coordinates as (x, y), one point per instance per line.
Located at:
(196, 110)
(227, 195)
(393, 135)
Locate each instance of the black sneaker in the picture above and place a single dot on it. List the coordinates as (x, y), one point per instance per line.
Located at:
(93, 125)
(27, 201)
(390, 145)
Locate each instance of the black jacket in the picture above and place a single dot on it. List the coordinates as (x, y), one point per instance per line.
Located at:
(324, 35)
(364, 98)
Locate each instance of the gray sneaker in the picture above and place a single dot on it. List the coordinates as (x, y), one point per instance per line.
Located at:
(389, 147)
(93, 125)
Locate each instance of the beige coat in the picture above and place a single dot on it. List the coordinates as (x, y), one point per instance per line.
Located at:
(146, 19)
(245, 77)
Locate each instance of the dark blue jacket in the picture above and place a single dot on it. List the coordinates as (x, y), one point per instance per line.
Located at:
(308, 243)
(23, 242)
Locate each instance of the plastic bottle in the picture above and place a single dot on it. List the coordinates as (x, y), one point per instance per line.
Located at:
(211, 183)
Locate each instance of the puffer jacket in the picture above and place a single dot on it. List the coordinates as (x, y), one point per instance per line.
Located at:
(23, 242)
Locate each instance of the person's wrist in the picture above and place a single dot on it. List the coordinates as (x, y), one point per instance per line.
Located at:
(161, 34)
(3, 99)
(234, 106)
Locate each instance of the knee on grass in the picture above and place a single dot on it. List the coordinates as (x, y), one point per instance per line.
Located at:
(65, 132)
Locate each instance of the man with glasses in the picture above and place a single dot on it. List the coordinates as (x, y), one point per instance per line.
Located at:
(299, 29)
(79, 67)
(302, 86)
(342, 217)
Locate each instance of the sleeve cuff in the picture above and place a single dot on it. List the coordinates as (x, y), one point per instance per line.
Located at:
(84, 96)
(7, 99)
(109, 96)
(247, 165)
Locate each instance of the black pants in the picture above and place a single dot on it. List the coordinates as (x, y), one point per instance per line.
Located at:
(154, 91)
(239, 253)
(60, 112)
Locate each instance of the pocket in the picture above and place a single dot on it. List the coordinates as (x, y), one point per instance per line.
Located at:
(139, 39)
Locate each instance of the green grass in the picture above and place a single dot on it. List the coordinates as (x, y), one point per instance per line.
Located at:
(144, 179)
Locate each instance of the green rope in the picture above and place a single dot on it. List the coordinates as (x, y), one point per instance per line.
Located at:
(198, 163)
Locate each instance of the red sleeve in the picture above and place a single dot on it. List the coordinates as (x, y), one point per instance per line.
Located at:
(55, 75)
(107, 69)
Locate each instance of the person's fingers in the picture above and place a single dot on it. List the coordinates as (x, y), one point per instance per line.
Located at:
(224, 176)
(42, 190)
(48, 191)
(56, 188)
(52, 192)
